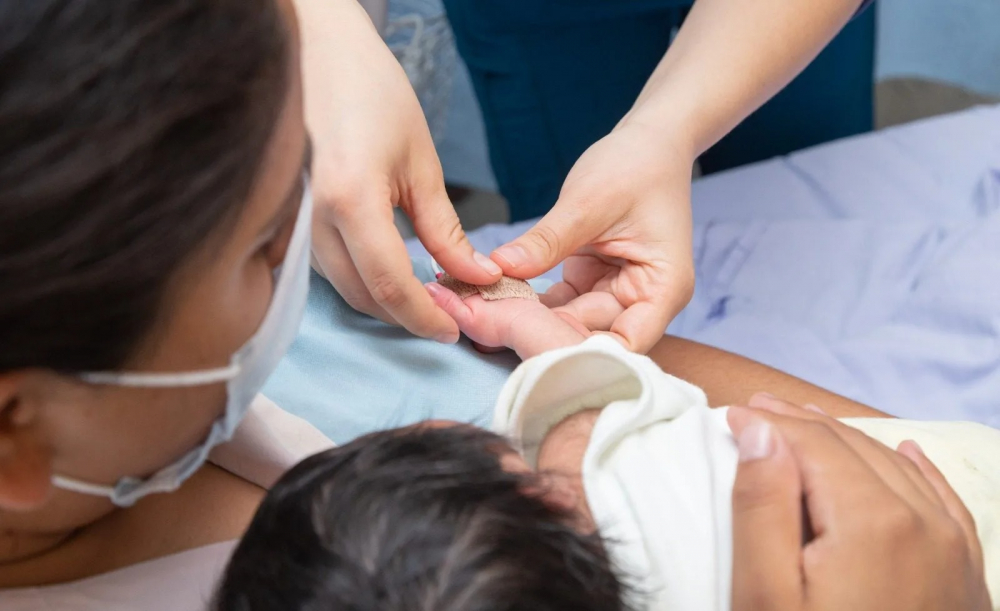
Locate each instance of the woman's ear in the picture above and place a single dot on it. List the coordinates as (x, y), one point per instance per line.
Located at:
(25, 459)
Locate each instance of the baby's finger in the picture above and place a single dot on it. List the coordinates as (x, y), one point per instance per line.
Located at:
(451, 304)
(484, 349)
(559, 294)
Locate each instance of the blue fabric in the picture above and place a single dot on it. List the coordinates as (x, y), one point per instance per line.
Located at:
(554, 76)
(349, 374)
(869, 266)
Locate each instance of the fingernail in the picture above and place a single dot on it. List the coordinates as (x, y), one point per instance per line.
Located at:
(814, 408)
(486, 263)
(916, 446)
(756, 441)
(514, 255)
(433, 288)
(446, 338)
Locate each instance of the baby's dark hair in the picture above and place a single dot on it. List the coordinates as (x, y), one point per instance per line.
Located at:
(418, 519)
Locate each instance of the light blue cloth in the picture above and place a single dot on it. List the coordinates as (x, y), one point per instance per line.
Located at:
(870, 266)
(349, 374)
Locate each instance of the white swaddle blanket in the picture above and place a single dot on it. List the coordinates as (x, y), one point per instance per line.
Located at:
(659, 469)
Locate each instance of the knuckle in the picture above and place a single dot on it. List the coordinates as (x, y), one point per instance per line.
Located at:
(386, 289)
(546, 239)
(817, 428)
(900, 523)
(453, 235)
(335, 200)
(953, 540)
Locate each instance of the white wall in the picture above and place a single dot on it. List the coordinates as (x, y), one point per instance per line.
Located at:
(956, 41)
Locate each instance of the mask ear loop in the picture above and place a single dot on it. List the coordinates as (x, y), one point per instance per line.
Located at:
(73, 485)
(162, 380)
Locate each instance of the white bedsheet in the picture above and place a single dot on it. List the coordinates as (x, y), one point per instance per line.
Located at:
(870, 266)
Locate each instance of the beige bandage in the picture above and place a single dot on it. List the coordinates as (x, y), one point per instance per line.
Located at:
(506, 288)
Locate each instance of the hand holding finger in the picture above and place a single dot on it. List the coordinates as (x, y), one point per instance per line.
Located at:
(438, 228)
(332, 260)
(377, 250)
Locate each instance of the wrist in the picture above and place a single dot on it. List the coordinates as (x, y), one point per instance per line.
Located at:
(672, 134)
(686, 109)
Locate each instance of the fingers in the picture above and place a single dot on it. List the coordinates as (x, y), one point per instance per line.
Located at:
(331, 259)
(767, 520)
(566, 228)
(664, 293)
(559, 294)
(526, 326)
(641, 325)
(378, 252)
(596, 311)
(438, 228)
(836, 480)
(952, 502)
(899, 473)
(451, 304)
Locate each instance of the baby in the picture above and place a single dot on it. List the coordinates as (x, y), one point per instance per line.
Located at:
(614, 491)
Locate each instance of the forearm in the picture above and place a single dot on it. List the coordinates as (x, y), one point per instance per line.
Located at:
(730, 379)
(339, 41)
(730, 57)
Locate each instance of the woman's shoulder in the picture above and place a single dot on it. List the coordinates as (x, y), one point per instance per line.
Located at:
(268, 442)
(184, 581)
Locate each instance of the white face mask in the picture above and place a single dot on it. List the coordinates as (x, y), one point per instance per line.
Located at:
(248, 369)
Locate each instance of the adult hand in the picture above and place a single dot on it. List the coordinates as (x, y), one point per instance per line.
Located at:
(622, 225)
(372, 151)
(884, 530)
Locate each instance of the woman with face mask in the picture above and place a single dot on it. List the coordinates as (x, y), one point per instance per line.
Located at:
(154, 247)
(154, 259)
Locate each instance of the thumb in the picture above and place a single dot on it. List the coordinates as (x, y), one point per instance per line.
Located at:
(564, 230)
(767, 518)
(440, 231)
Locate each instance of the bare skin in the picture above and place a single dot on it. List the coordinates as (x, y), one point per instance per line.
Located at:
(529, 328)
(914, 530)
(52, 423)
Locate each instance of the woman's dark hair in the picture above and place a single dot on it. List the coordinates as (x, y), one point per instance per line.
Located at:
(130, 132)
(415, 520)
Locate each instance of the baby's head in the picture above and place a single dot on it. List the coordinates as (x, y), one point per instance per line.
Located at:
(423, 518)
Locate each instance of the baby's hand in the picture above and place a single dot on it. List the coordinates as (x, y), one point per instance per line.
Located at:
(526, 326)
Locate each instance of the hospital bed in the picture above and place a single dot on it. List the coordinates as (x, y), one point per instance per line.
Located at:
(869, 266)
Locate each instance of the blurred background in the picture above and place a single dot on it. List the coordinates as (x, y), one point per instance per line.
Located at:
(931, 57)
